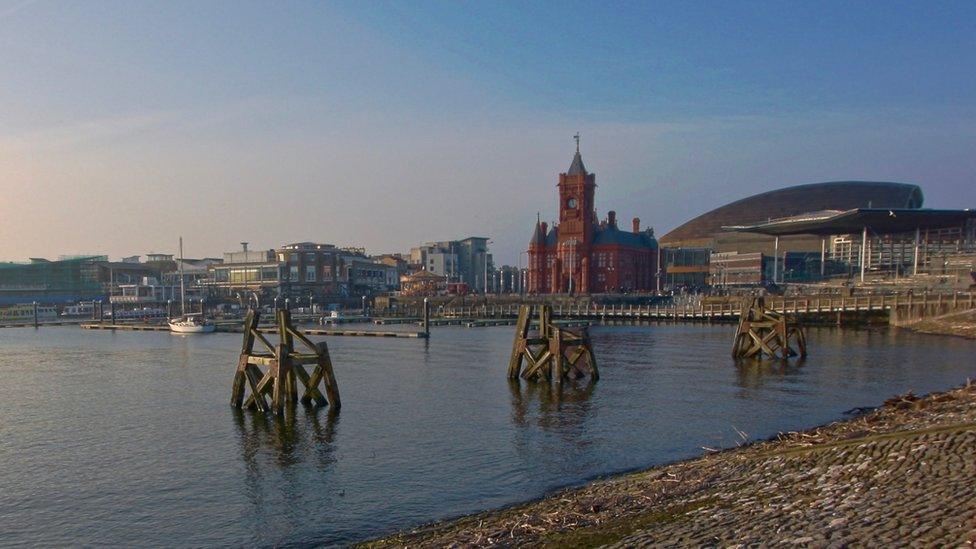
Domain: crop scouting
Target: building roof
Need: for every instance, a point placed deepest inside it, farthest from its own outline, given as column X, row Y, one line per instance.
column 424, row 275
column 790, row 201
column 614, row 236
column 878, row 220
column 538, row 235
column 552, row 238
column 603, row 236
column 577, row 166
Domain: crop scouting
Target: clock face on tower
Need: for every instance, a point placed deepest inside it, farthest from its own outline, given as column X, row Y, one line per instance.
column 571, row 203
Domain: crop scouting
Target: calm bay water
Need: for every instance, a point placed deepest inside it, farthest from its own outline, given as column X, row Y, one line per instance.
column 128, row 438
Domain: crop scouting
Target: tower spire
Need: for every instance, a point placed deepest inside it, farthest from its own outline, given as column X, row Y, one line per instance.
column 577, row 138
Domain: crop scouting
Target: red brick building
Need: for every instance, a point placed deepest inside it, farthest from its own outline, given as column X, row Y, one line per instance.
column 583, row 255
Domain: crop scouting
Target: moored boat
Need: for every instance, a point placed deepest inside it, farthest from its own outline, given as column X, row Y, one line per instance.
column 193, row 323
column 188, row 323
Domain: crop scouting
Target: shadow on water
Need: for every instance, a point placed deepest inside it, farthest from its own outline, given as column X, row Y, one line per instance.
column 751, row 373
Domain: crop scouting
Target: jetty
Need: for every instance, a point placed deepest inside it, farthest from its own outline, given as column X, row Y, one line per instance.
column 719, row 309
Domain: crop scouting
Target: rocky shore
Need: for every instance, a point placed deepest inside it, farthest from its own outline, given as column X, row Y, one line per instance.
column 903, row 474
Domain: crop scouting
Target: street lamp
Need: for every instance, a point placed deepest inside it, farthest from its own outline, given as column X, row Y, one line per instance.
column 521, row 281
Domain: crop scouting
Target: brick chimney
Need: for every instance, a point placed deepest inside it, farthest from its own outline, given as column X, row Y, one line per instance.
column 612, row 219
column 636, row 225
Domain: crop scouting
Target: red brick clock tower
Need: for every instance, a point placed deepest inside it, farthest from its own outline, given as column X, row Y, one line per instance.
column 577, row 219
column 581, row 254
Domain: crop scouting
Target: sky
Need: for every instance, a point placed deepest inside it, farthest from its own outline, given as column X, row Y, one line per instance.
column 127, row 124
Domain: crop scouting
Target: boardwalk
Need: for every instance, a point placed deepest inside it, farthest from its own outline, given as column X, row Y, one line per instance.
column 728, row 309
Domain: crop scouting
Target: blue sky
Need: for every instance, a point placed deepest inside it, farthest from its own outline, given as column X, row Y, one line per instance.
column 126, row 124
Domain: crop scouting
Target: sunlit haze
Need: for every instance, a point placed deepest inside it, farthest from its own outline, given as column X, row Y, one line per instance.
column 124, row 125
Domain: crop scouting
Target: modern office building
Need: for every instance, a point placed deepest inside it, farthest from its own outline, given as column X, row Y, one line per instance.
column 464, row 261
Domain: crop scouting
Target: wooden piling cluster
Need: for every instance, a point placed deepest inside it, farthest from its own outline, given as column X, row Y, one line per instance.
column 550, row 353
column 285, row 368
column 762, row 332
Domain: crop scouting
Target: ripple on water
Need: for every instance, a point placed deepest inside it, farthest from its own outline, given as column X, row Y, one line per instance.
column 127, row 438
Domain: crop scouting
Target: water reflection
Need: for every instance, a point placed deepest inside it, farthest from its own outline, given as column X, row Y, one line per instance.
column 752, row 372
column 560, row 405
column 299, row 435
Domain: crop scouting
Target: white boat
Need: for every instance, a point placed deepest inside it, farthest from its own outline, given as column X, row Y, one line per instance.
column 192, row 323
column 188, row 323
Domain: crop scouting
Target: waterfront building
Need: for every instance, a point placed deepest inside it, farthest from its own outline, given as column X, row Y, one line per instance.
column 706, row 230
column 302, row 270
column 156, row 258
column 459, row 261
column 686, row 267
column 726, row 235
column 582, row 254
column 423, row 283
column 400, row 263
column 884, row 242
column 243, row 273
column 69, row 280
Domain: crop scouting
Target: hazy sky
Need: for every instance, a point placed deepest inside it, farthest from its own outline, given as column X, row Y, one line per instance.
column 124, row 125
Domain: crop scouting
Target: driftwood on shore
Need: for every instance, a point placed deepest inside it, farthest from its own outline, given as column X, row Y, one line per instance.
column 285, row 368
column 902, row 472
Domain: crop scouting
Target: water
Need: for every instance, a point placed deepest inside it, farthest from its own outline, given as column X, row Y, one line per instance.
column 128, row 438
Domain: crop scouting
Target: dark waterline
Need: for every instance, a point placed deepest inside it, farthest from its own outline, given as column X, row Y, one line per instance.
column 128, row 438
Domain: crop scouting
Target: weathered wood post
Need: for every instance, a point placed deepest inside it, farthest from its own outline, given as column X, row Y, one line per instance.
column 552, row 353
column 763, row 332
column 285, row 369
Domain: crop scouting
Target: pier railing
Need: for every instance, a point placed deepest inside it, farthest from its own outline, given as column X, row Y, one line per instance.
column 727, row 309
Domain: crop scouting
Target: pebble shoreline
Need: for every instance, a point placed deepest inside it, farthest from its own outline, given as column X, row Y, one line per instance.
column 902, row 474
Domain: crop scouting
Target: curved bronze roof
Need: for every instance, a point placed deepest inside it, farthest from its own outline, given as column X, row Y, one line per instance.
column 790, row 201
column 893, row 220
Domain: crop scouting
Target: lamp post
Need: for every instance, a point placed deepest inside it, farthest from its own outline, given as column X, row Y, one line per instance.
column 521, row 280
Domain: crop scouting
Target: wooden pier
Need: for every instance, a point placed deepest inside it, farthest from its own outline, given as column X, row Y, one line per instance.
column 729, row 309
column 126, row 327
column 234, row 327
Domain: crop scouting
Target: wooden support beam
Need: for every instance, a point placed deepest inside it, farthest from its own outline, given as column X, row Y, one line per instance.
column 284, row 369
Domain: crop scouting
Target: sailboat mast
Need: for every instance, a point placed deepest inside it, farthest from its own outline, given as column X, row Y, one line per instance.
column 182, row 288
